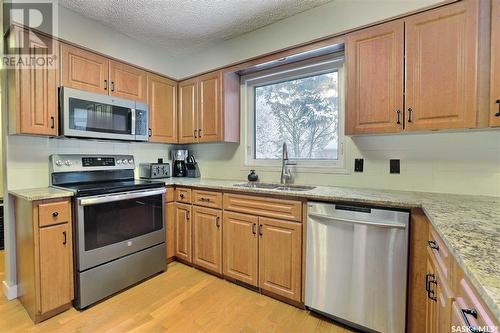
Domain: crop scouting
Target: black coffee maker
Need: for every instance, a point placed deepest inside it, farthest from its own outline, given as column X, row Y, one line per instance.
column 179, row 162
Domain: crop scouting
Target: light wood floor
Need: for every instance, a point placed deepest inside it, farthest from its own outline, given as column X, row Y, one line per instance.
column 182, row 299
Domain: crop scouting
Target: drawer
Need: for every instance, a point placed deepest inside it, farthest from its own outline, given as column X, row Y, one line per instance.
column 183, row 195
column 207, row 199
column 263, row 206
column 438, row 250
column 469, row 307
column 53, row 213
column 170, row 195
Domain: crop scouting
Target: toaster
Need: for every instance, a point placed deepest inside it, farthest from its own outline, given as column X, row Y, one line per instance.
column 154, row 170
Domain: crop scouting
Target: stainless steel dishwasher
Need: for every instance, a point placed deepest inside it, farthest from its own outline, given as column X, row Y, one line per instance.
column 356, row 268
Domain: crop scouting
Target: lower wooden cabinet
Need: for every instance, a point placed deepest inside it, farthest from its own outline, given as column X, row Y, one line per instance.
column 44, row 256
column 240, row 247
column 183, row 232
column 280, row 257
column 207, row 238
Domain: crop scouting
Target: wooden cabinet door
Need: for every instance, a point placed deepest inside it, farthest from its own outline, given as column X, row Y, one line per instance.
column 84, row 70
column 375, row 79
column 183, row 228
column 240, row 247
column 56, row 267
column 280, row 257
column 188, row 116
column 431, row 304
column 444, row 300
column 170, row 230
column 207, row 239
column 35, row 100
column 210, row 108
column 162, row 100
column 441, row 67
column 127, row 81
column 495, row 64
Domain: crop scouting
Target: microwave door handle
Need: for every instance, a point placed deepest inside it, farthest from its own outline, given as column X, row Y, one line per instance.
column 100, row 199
column 133, row 122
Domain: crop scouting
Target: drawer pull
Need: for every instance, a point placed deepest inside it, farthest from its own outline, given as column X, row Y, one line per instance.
column 433, row 245
column 55, row 214
column 205, row 199
column 181, row 195
column 473, row 313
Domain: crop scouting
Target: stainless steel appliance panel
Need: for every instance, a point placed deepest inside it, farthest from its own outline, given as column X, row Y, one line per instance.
column 356, row 267
column 114, row 225
column 91, row 115
column 102, row 281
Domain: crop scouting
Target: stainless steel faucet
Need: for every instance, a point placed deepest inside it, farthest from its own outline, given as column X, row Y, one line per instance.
column 286, row 174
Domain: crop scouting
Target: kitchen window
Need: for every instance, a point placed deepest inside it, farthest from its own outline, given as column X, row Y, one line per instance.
column 300, row 104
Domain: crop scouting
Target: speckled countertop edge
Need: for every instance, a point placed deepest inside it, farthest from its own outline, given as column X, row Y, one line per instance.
column 40, row 193
column 468, row 224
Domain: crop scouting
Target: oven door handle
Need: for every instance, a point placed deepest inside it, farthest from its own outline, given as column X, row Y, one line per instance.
column 117, row 197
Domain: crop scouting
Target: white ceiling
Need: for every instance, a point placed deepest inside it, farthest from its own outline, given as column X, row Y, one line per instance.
column 186, row 26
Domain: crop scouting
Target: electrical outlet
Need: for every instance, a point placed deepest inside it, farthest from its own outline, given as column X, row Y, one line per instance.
column 394, row 166
column 358, row 165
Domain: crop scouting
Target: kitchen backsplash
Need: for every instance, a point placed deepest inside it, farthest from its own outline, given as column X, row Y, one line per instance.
column 28, row 157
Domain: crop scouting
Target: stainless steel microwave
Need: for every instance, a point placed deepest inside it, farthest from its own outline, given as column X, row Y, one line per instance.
column 89, row 115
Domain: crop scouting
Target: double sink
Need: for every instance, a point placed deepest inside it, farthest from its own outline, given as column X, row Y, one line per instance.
column 278, row 187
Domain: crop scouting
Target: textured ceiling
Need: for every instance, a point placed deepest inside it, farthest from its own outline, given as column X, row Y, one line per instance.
column 187, row 25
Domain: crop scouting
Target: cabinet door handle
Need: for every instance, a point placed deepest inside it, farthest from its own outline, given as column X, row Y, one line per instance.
column 399, row 117
column 195, row 135
column 112, row 85
column 253, row 229
column 52, row 122
column 433, row 245
column 55, row 214
column 410, row 114
column 65, row 241
column 473, row 313
column 430, row 279
column 187, row 216
column 105, row 84
column 260, row 230
column 217, row 224
column 199, row 132
column 498, row 113
column 150, row 132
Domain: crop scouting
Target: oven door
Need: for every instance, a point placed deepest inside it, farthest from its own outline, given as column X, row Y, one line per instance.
column 91, row 115
column 111, row 226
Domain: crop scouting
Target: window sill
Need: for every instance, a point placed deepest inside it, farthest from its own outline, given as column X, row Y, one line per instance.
column 297, row 169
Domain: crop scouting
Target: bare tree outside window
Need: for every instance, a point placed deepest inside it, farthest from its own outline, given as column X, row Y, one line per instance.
column 302, row 112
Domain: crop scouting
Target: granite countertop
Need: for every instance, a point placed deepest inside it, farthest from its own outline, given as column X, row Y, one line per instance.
column 468, row 224
column 40, row 193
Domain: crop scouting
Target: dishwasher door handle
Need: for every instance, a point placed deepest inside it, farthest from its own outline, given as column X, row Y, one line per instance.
column 344, row 220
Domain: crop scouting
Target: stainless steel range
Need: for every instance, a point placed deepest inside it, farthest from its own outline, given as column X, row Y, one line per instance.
column 118, row 223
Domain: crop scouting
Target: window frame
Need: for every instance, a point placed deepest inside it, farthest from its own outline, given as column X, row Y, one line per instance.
column 303, row 69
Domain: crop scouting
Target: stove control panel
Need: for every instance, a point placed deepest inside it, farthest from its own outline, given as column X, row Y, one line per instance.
column 78, row 162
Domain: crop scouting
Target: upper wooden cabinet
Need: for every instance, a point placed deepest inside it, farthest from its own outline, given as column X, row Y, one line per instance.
column 81, row 69
column 162, row 100
column 209, row 108
column 127, row 81
column 495, row 64
column 441, row 67
column 89, row 71
column 32, row 91
column 188, row 111
column 375, row 79
column 437, row 50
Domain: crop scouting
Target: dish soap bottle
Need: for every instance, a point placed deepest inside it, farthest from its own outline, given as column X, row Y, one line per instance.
column 252, row 176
